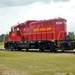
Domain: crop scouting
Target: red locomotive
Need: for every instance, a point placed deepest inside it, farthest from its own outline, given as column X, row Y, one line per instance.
column 41, row 34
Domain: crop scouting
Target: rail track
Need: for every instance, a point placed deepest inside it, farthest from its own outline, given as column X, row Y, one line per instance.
column 37, row 51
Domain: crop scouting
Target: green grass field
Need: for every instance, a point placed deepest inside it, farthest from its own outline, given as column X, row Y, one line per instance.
column 35, row 63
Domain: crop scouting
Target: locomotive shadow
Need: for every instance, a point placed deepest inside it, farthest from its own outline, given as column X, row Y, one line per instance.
column 47, row 51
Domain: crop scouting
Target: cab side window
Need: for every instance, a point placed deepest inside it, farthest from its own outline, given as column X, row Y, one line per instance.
column 17, row 29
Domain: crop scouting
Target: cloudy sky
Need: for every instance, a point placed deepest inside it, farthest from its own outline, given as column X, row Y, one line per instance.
column 14, row 11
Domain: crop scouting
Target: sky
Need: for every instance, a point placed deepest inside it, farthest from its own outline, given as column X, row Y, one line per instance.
column 14, row 11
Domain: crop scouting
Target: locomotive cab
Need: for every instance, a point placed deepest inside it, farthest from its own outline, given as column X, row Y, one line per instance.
column 14, row 34
column 13, row 38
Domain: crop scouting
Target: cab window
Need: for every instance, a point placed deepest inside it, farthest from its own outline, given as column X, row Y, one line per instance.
column 17, row 29
column 12, row 29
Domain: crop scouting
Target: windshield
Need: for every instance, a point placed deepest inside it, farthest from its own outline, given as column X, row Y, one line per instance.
column 12, row 29
column 15, row 29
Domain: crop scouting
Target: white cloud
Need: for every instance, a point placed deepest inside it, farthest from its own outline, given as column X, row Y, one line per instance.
column 37, row 11
column 6, row 3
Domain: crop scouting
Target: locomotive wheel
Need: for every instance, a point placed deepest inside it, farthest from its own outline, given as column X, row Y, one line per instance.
column 41, row 48
column 63, row 47
column 19, row 49
column 52, row 48
column 27, row 50
column 11, row 47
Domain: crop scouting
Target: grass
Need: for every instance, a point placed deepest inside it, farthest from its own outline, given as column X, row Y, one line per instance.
column 29, row 63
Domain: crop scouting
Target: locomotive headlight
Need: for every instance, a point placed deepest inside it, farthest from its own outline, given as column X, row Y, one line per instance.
column 13, row 34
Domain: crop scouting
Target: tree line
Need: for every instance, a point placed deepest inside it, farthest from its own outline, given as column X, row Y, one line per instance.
column 70, row 34
column 2, row 37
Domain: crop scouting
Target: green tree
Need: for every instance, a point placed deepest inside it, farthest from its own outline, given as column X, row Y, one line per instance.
column 2, row 37
column 71, row 35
